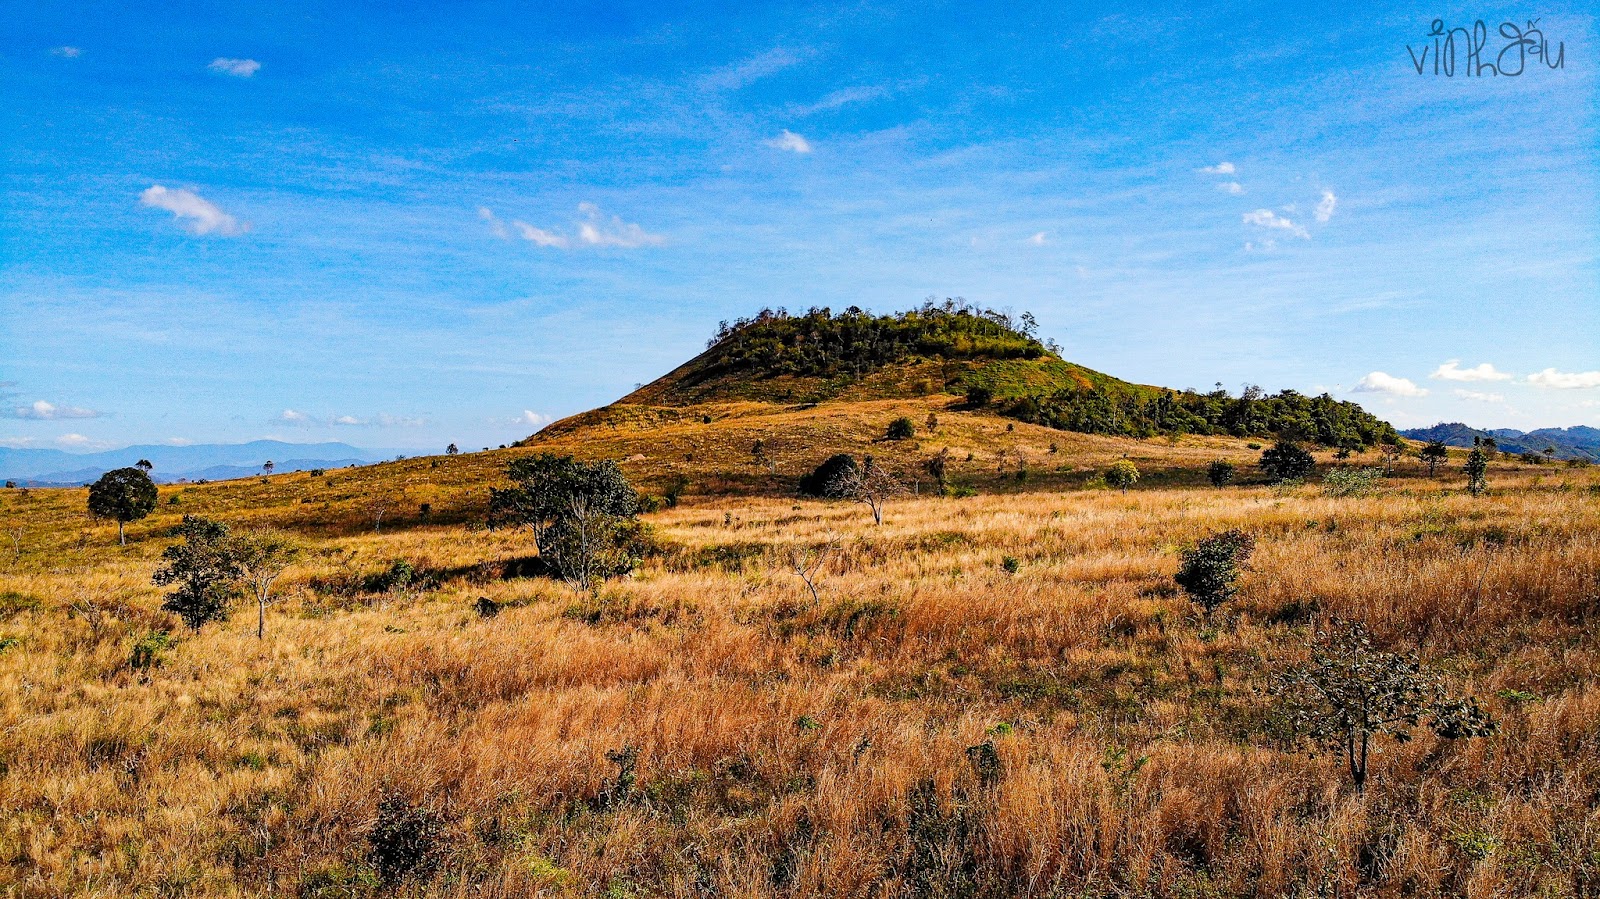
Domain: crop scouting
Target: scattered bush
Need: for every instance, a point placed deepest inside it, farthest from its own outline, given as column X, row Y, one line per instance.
column 583, row 516
column 1210, row 571
column 1220, row 473
column 404, row 839
column 901, row 428
column 1286, row 461
column 124, row 494
column 1351, row 481
column 827, row 475
column 1121, row 475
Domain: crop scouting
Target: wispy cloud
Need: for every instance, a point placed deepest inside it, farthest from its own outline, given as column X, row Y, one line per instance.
column 496, row 227
column 532, row 419
column 1232, row 187
column 381, row 420
column 839, row 98
column 67, row 52
column 1565, row 380
column 43, row 411
column 1266, row 218
column 1221, row 168
column 1478, row 396
column 1483, row 371
column 1038, row 239
column 790, row 141
column 295, row 418
column 592, row 230
column 540, row 236
column 1326, row 205
column 1382, row 382
column 751, row 70
column 238, row 68
column 200, row 215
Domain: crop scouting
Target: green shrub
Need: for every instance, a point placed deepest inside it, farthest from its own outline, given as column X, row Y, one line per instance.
column 1209, row 572
column 1286, row 461
column 901, row 428
column 1351, row 481
column 1122, row 474
column 819, row 482
column 1220, row 473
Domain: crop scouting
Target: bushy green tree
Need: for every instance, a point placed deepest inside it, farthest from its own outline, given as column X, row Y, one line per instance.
column 1122, row 474
column 583, row 516
column 1220, row 473
column 901, row 428
column 1286, row 461
column 1350, row 692
column 124, row 494
column 1209, row 571
column 206, row 570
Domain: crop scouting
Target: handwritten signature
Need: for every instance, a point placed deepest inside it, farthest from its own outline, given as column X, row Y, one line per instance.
column 1524, row 44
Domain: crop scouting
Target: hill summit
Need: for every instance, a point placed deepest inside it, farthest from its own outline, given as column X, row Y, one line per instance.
column 944, row 346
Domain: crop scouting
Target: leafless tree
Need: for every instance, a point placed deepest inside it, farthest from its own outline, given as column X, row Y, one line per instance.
column 807, row 561
column 871, row 485
column 377, row 508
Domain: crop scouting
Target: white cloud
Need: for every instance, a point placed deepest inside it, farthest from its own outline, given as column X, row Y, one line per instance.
column 293, row 417
column 203, row 216
column 1483, row 371
column 540, row 236
column 1264, row 246
column 842, row 97
column 1232, row 187
column 18, row 442
column 1381, row 382
column 532, row 418
column 1266, row 218
column 68, row 52
column 1221, row 168
column 790, row 141
column 1565, row 380
column 239, row 68
column 43, row 411
column 178, row 441
column 1037, row 239
column 350, row 420
column 73, row 440
column 385, row 420
column 615, row 233
column 1325, row 206
column 1479, row 396
column 496, row 227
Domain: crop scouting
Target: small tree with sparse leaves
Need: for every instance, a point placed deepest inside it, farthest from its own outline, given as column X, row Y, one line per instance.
column 1477, row 469
column 262, row 557
column 1209, row 571
column 1434, row 454
column 1349, row 692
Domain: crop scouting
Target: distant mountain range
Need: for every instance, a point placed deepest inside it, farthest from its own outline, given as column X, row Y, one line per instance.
column 1570, row 443
column 207, row 461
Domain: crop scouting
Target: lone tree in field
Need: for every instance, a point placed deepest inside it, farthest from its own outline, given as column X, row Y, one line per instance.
column 1349, row 692
column 1286, row 461
column 125, row 494
column 1434, row 454
column 1477, row 469
column 870, row 484
column 267, row 466
column 761, row 454
column 938, row 467
column 1220, row 473
column 1392, row 454
column 261, row 557
column 143, row 465
column 1122, row 474
column 451, row 450
column 1210, row 571
column 583, row 516
column 901, row 428
column 205, row 566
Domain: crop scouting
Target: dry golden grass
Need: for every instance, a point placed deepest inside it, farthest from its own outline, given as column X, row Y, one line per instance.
column 792, row 749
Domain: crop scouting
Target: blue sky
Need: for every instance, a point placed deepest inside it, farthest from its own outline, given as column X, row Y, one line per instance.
column 402, row 225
